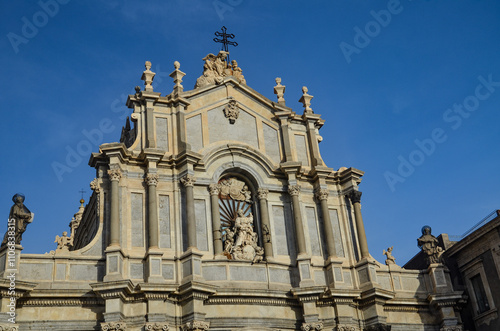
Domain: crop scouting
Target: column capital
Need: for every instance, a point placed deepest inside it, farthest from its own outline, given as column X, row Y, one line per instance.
column 196, row 326
column 293, row 190
column 214, row 189
column 156, row 327
column 321, row 194
column 262, row 193
column 355, row 196
column 151, row 179
column 317, row 326
column 114, row 174
column 188, row 180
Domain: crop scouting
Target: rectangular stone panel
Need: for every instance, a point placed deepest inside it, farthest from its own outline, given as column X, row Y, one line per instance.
column 363, row 276
column 384, row 281
column 137, row 219
column 186, row 268
column 162, row 133
column 214, row 273
column 164, row 219
column 200, row 208
column 279, row 275
column 167, row 271
column 337, row 235
column 243, row 130
column 312, row 225
column 301, row 150
column 347, row 278
column 36, row 271
column 194, row 133
column 271, row 143
column 284, row 232
column 87, row 272
column 319, row 278
column 136, row 271
column 60, row 271
column 248, row 274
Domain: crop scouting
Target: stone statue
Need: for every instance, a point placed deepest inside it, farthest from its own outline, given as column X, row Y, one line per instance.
column 64, row 242
column 237, row 72
column 240, row 243
column 390, row 259
column 429, row 245
column 216, row 68
column 19, row 218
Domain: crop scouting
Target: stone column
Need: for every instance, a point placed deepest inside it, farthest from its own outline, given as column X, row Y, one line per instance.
column 152, row 181
column 114, row 229
column 294, row 191
column 188, row 182
column 264, row 219
column 214, row 201
column 322, row 196
column 355, row 197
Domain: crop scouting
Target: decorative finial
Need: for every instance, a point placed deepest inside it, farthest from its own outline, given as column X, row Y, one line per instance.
column 147, row 77
column 82, row 191
column 224, row 40
column 306, row 101
column 177, row 76
column 279, row 90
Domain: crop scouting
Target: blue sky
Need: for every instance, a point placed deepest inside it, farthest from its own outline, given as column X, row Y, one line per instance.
column 410, row 91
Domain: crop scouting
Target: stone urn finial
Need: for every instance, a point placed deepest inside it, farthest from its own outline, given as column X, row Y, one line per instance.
column 147, row 77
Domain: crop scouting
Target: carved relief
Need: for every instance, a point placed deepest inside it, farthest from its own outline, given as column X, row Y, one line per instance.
column 188, row 180
column 231, row 111
column 317, row 326
column 235, row 189
column 8, row 327
column 113, row 326
column 114, row 174
column 156, row 327
column 152, row 179
column 266, row 233
column 196, row 326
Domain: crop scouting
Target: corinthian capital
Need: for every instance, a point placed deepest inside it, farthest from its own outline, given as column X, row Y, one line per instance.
column 196, row 326
column 293, row 189
column 188, row 180
column 321, row 194
column 214, row 189
column 317, row 326
column 152, row 179
column 114, row 174
column 355, row 196
column 262, row 193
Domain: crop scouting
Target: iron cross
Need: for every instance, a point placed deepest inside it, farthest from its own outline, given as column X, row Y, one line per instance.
column 224, row 40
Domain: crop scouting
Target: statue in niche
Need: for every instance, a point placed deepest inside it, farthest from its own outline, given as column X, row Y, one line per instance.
column 64, row 242
column 240, row 241
column 390, row 258
column 19, row 218
column 429, row 245
column 216, row 68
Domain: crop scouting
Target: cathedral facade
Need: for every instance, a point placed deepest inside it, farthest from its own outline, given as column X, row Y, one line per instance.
column 216, row 211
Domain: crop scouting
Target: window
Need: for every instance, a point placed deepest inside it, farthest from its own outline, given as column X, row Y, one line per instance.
column 480, row 294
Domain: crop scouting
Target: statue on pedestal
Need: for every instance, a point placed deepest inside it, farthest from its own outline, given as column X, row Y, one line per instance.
column 429, row 245
column 241, row 241
column 19, row 218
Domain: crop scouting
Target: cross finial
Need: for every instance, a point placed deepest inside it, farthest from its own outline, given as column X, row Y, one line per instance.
column 82, row 191
column 225, row 42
